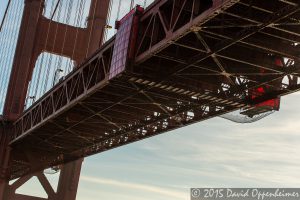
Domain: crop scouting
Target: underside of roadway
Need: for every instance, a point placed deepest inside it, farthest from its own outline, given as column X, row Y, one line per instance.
column 203, row 67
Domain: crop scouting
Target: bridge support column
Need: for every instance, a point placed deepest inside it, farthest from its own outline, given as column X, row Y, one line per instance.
column 79, row 44
column 68, row 180
column 4, row 158
column 39, row 34
column 66, row 189
column 23, row 64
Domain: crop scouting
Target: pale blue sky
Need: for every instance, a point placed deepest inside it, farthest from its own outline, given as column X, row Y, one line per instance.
column 2, row 8
column 213, row 153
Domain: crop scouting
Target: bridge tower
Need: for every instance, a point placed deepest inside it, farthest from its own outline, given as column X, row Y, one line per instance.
column 31, row 43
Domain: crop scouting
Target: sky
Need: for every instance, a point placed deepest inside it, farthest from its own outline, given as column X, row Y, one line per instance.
column 213, row 153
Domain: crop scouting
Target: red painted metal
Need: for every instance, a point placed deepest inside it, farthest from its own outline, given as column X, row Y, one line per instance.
column 22, row 65
column 66, row 189
column 256, row 93
column 5, row 153
column 60, row 40
column 124, row 44
column 193, row 61
column 31, row 43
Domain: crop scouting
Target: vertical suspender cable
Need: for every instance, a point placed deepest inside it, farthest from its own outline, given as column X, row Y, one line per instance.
column 59, row 64
column 54, row 12
column 36, row 86
column 108, row 18
column 5, row 40
column 70, row 7
column 45, row 57
column 8, row 46
column 5, row 14
column 56, row 31
column 118, row 11
column 49, row 57
column 8, row 37
column 131, row 4
column 71, row 64
column 90, row 33
column 78, row 20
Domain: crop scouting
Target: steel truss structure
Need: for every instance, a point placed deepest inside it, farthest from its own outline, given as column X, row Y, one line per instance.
column 194, row 59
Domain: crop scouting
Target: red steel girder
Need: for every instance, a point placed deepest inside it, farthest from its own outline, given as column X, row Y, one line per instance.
column 97, row 114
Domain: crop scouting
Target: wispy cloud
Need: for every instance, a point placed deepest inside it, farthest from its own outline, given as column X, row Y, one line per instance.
column 136, row 186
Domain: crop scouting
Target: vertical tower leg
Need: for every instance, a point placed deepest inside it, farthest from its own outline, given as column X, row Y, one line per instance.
column 66, row 189
column 68, row 180
column 4, row 158
column 31, row 39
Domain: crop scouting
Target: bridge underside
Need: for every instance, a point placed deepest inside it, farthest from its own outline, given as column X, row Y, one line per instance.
column 201, row 65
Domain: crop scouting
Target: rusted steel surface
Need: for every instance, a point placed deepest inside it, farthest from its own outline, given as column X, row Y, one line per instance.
column 194, row 60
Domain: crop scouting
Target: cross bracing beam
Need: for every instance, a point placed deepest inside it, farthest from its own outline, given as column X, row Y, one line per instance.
column 192, row 62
